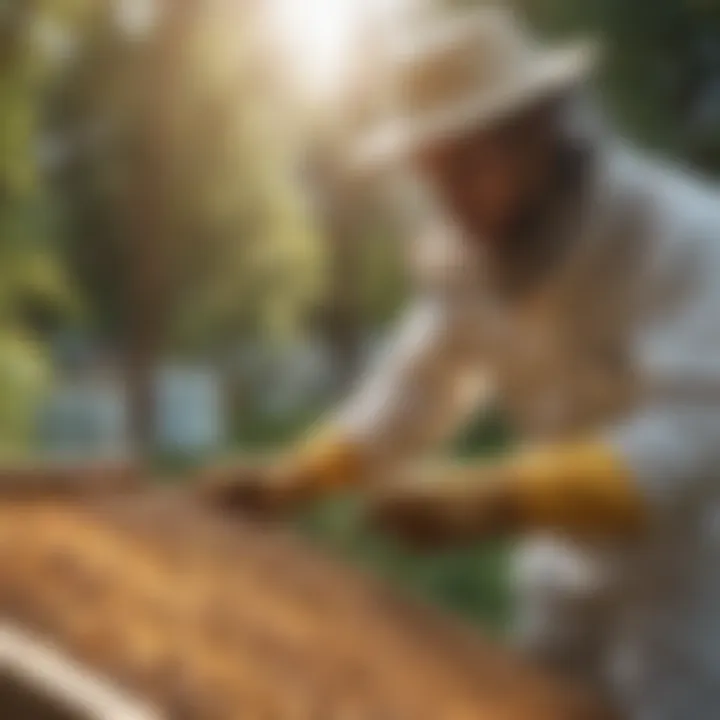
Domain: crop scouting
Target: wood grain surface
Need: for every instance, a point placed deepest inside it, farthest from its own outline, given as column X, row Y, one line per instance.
column 211, row 619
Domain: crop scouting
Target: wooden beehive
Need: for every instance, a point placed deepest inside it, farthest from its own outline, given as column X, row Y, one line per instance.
column 203, row 618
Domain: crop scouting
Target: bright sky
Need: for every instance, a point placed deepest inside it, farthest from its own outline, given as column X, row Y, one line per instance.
column 317, row 38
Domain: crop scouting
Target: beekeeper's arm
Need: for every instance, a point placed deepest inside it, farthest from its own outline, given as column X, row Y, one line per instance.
column 420, row 388
column 626, row 476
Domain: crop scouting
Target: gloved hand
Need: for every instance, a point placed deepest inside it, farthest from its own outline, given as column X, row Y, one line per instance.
column 271, row 488
column 262, row 490
column 445, row 507
column 579, row 489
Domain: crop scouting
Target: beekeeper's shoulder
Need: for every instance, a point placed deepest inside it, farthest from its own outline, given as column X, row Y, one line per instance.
column 681, row 227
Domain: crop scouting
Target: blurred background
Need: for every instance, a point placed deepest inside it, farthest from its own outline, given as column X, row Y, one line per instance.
column 187, row 267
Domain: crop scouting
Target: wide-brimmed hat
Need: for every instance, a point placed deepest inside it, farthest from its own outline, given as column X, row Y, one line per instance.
column 465, row 72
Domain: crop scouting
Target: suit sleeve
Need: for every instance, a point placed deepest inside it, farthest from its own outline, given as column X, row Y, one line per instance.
column 423, row 384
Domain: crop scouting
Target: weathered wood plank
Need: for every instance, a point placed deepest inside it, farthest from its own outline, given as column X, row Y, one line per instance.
column 211, row 619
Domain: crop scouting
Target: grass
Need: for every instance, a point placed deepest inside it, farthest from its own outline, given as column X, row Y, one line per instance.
column 471, row 582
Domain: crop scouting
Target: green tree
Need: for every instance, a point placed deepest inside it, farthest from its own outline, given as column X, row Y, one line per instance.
column 661, row 67
column 183, row 217
column 34, row 291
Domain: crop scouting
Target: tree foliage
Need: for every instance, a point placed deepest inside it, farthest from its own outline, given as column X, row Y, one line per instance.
column 661, row 67
column 34, row 290
column 239, row 252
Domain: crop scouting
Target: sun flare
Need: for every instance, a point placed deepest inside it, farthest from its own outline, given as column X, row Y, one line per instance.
column 320, row 41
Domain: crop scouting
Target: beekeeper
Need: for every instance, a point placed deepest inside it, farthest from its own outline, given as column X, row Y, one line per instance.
column 579, row 284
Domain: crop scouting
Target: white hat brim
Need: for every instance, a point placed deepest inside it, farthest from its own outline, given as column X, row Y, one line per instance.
column 400, row 138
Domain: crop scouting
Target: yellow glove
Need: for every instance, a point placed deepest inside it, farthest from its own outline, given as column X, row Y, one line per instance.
column 578, row 489
column 581, row 488
column 325, row 463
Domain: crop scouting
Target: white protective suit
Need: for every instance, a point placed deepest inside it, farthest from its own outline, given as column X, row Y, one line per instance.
column 624, row 340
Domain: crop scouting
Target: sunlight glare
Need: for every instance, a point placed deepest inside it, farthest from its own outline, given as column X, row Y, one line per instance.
column 317, row 38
